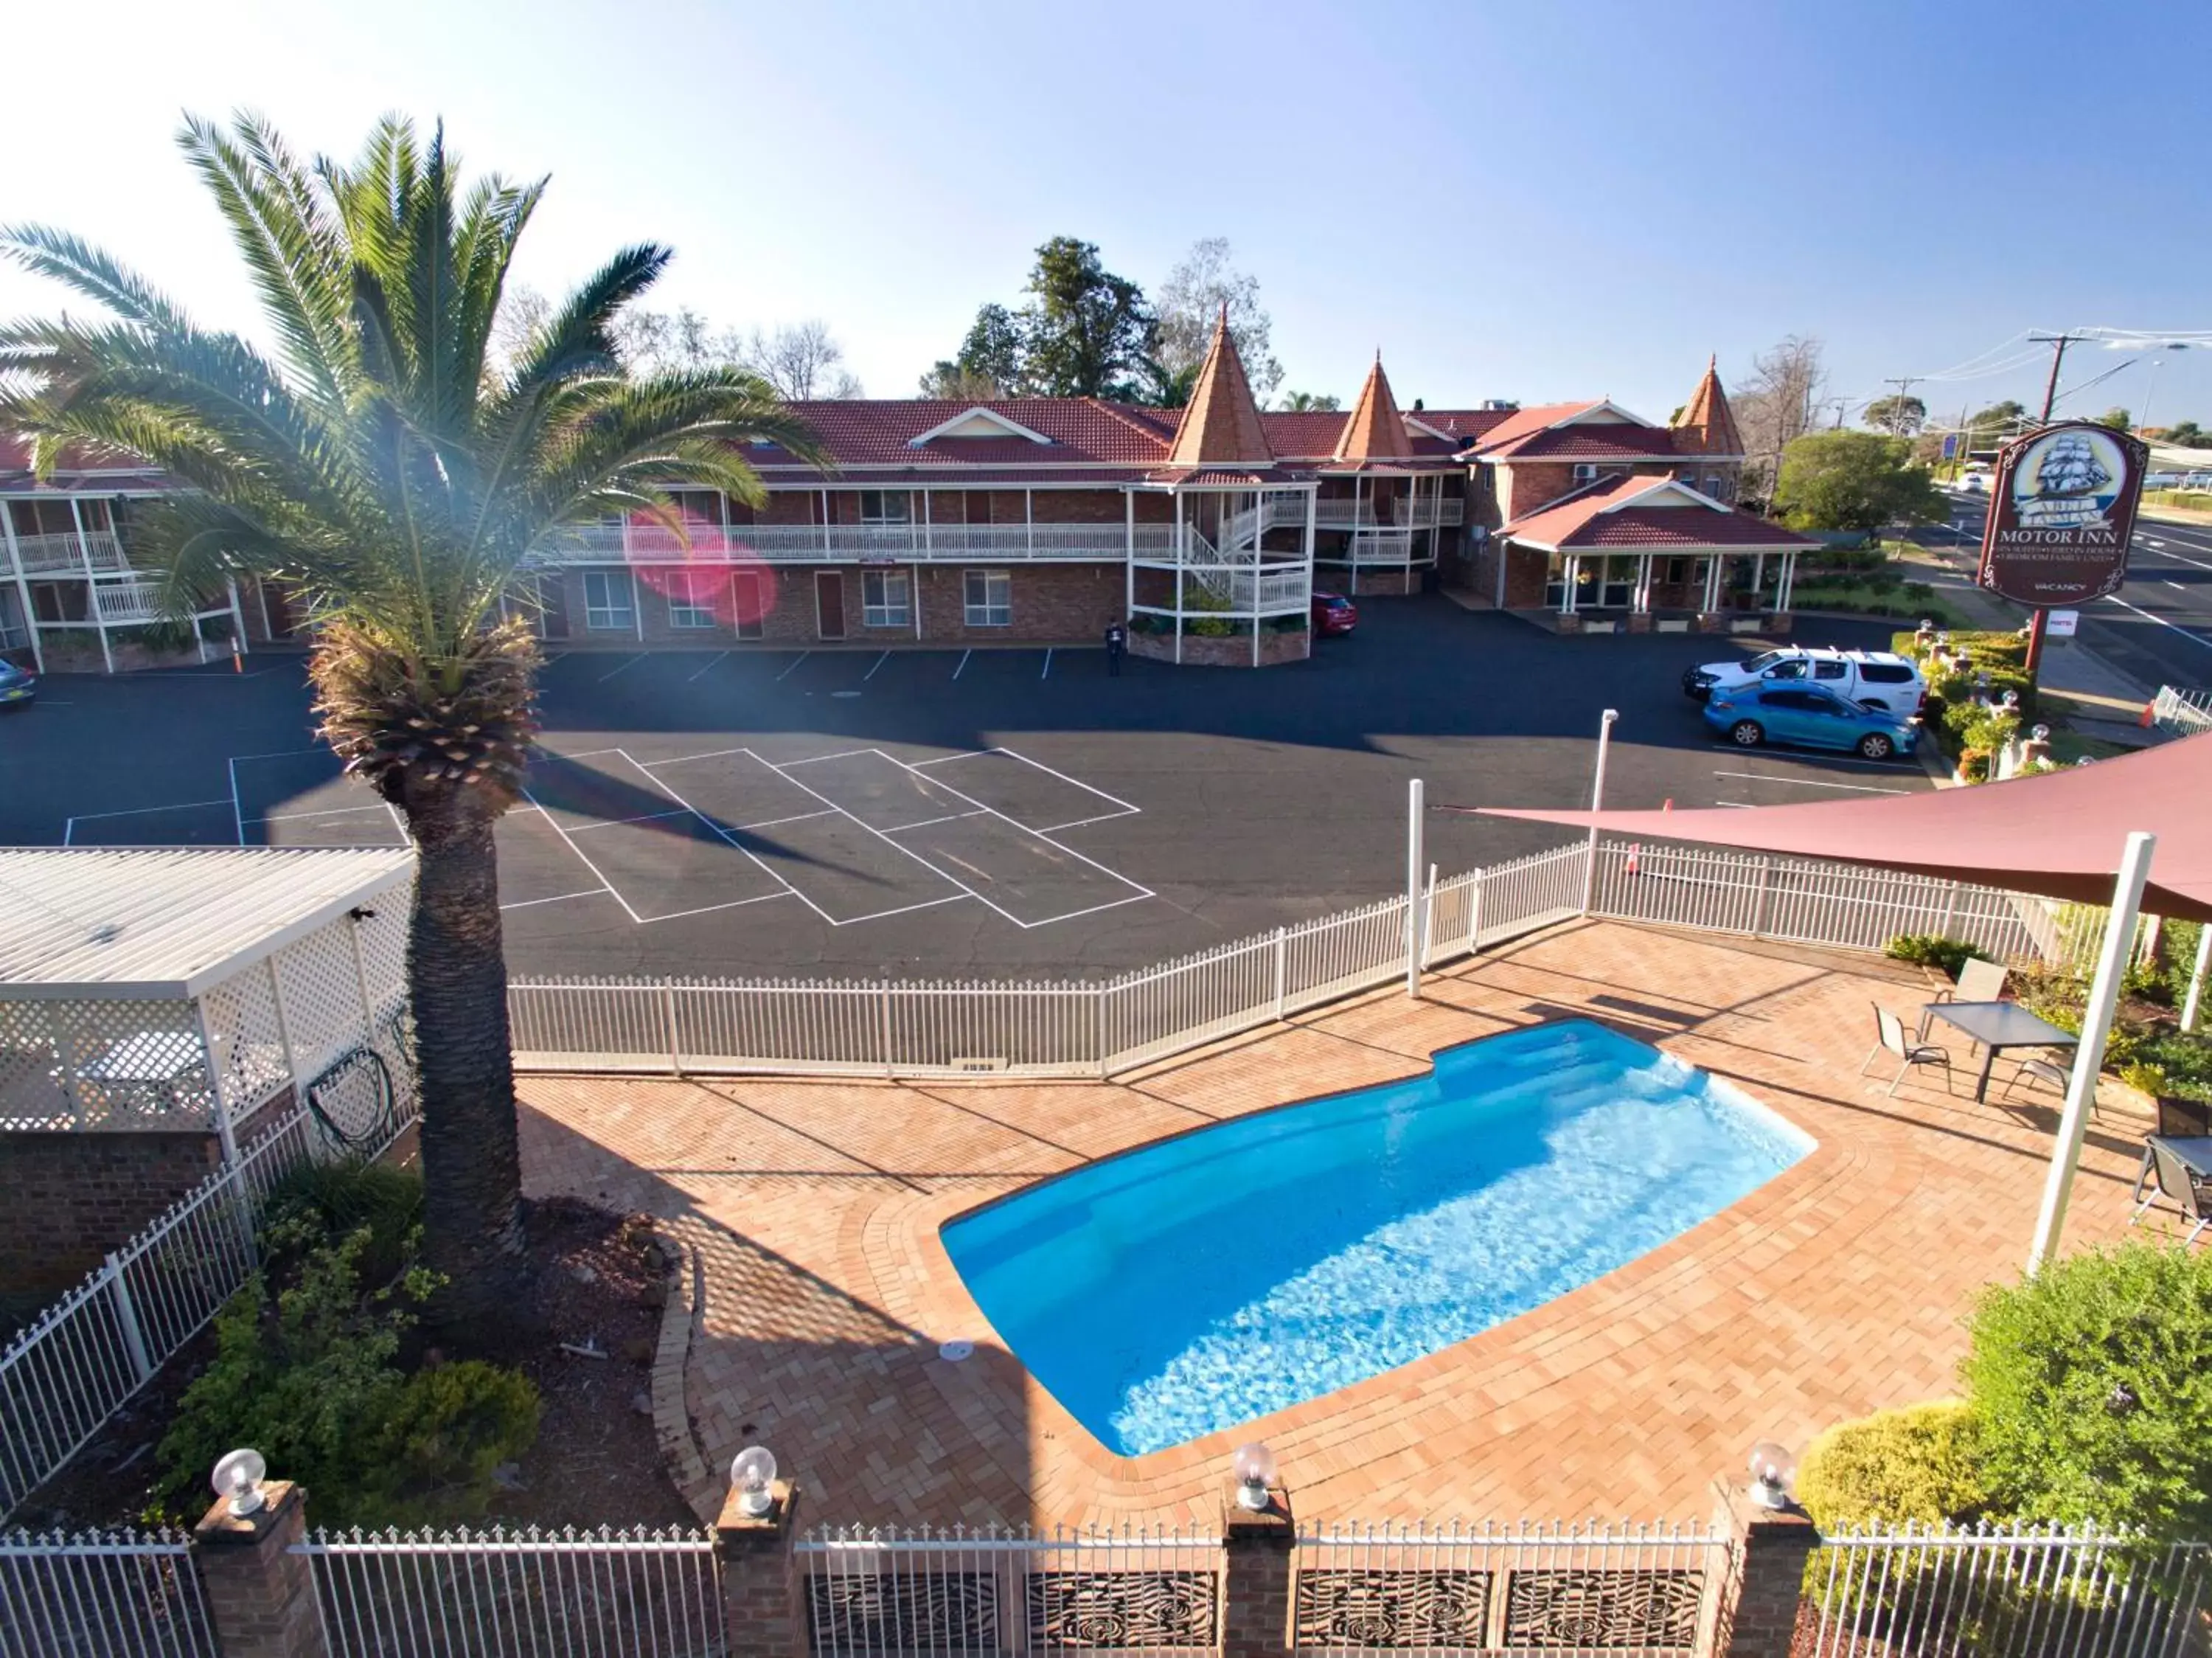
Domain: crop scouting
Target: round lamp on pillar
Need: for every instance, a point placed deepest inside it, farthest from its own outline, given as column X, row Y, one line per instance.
column 238, row 1478
column 1255, row 1471
column 752, row 1476
column 1772, row 1468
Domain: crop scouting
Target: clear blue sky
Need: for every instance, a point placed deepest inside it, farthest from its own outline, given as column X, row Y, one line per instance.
column 1533, row 201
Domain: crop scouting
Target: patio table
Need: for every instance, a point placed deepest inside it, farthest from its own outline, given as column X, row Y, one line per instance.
column 1998, row 1025
column 154, row 1068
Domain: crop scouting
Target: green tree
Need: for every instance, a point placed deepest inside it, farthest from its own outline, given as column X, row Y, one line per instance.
column 1900, row 416
column 385, row 466
column 1847, row 481
column 1162, row 387
column 1992, row 426
column 988, row 363
column 2117, row 418
column 2186, row 434
column 1086, row 332
column 1309, row 402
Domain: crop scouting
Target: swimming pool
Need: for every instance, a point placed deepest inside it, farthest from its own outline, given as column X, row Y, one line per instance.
column 1202, row 1281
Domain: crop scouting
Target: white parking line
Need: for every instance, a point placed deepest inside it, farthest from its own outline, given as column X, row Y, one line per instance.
column 642, row 817
column 559, row 898
column 1072, row 782
column 962, row 666
column 842, row 755
column 722, row 834
column 871, row 673
column 619, row 667
column 569, row 840
column 2177, row 587
column 2151, row 616
column 950, row 817
column 326, row 812
column 770, row 823
column 1807, row 782
column 795, row 661
column 735, row 903
column 689, row 678
column 1047, row 675
column 68, row 824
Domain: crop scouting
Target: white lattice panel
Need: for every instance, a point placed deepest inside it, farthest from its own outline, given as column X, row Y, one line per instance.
column 100, row 1066
column 383, row 938
column 321, row 998
column 241, row 1021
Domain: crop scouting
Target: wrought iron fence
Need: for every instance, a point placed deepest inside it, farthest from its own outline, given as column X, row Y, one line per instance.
column 1617, row 1590
column 102, row 1594
column 2026, row 1592
column 63, row 1374
column 953, row 1594
column 497, row 1593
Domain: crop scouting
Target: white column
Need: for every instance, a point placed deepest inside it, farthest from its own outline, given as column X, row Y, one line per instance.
column 1642, row 604
column 2193, row 1004
column 1571, row 571
column 927, row 544
column 1782, row 591
column 91, row 585
column 825, row 523
column 1757, row 578
column 22, row 585
column 1597, row 804
column 1416, row 823
column 2097, row 1020
column 1029, row 520
column 914, row 596
column 1129, row 555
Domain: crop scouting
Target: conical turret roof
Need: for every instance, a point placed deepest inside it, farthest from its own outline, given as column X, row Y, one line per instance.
column 1706, row 426
column 1376, row 430
column 1221, row 424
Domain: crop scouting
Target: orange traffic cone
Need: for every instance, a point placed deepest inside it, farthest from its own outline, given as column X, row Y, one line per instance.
column 2145, row 722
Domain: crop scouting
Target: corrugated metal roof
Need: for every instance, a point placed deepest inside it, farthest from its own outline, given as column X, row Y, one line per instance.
column 141, row 921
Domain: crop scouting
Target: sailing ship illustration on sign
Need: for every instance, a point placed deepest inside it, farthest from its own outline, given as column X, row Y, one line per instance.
column 2070, row 479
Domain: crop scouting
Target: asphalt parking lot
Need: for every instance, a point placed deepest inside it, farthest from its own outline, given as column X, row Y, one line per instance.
column 946, row 814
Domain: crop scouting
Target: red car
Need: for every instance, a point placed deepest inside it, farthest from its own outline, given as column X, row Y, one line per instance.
column 1334, row 613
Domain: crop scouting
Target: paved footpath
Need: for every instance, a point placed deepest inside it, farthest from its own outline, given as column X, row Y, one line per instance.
column 1838, row 1287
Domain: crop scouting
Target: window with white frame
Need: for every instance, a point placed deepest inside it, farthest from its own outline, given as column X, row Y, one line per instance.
column 885, row 598
column 610, row 603
column 1585, row 472
column 1715, row 483
column 696, row 599
column 886, row 507
column 990, row 595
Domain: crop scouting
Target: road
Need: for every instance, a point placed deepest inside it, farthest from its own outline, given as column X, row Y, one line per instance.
column 2158, row 627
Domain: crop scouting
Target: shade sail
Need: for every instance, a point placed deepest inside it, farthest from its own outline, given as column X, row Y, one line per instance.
column 2059, row 834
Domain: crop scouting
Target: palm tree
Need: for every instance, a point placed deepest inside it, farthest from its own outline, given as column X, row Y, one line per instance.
column 1309, row 403
column 402, row 478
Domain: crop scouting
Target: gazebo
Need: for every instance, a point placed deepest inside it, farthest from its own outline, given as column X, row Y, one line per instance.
column 2135, row 832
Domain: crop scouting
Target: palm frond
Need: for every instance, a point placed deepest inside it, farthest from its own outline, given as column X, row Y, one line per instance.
column 99, row 276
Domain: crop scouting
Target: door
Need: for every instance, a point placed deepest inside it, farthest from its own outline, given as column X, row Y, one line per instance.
column 553, row 606
column 749, row 604
column 1785, row 715
column 829, row 604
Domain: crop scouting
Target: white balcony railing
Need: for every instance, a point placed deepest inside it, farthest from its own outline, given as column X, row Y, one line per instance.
column 65, row 551
column 127, row 604
column 816, row 544
column 1343, row 513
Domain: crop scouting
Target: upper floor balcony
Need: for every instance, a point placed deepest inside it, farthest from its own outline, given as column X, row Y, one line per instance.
column 819, row 544
column 1348, row 513
column 65, row 552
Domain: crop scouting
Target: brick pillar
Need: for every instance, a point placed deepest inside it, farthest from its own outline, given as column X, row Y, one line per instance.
column 1758, row 1612
column 1258, row 1547
column 260, row 1597
column 762, row 1587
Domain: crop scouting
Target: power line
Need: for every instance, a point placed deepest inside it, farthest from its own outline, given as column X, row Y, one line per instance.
column 1903, row 384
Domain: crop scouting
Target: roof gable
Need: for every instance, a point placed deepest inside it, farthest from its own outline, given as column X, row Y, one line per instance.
column 978, row 421
column 1707, row 425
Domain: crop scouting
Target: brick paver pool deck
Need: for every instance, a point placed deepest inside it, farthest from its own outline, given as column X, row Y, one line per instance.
column 1837, row 1287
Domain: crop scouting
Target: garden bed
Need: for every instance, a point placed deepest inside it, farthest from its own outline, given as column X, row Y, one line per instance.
column 596, row 1459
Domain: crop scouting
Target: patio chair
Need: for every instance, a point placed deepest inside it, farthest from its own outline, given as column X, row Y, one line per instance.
column 2041, row 1067
column 1977, row 981
column 2175, row 1180
column 1891, row 1038
column 2184, row 1119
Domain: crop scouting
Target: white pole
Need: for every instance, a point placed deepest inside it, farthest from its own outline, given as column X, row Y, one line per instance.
column 1597, row 804
column 2096, row 1026
column 2194, row 1004
column 1415, row 814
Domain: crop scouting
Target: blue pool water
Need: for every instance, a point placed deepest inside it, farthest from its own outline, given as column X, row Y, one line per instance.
column 1199, row 1282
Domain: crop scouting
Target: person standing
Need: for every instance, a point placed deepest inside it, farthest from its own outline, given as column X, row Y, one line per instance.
column 1117, row 642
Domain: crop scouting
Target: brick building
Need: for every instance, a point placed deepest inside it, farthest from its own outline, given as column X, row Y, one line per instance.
column 1039, row 520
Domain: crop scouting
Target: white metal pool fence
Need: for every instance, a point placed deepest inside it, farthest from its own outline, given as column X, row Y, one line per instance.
column 102, row 1594
column 1045, row 1027
column 66, row 1373
column 1621, row 1587
column 2051, row 1591
column 982, row 1593
column 2186, row 712
column 500, row 1594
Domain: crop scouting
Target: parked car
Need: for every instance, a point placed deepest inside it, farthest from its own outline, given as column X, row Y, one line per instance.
column 1873, row 679
column 1759, row 713
column 18, row 689
column 2162, row 481
column 1334, row 613
column 1974, row 483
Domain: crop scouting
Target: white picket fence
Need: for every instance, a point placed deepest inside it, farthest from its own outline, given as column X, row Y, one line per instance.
column 66, row 1373
column 498, row 1594
column 2051, row 1591
column 904, row 1027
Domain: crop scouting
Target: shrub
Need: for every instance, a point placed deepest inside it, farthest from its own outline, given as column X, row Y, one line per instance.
column 1927, row 950
column 2092, row 1384
column 320, row 1204
column 447, row 1429
column 1922, row 1462
column 1974, row 764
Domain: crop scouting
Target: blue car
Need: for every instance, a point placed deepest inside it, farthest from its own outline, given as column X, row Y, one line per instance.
column 1760, row 713
column 17, row 688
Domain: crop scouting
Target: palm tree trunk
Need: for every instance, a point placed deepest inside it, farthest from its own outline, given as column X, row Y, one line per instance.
column 457, row 973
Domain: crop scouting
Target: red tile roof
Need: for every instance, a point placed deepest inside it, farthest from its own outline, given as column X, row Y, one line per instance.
column 1221, row 424
column 879, row 432
column 1646, row 515
column 1521, row 422
column 1707, row 425
column 1595, row 441
column 1374, row 430
column 1462, row 424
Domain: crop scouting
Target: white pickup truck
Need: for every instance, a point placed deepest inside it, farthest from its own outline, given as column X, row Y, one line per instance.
column 1872, row 679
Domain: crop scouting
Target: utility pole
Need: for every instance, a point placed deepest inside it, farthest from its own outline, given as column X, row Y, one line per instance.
column 1903, row 384
column 2040, row 619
